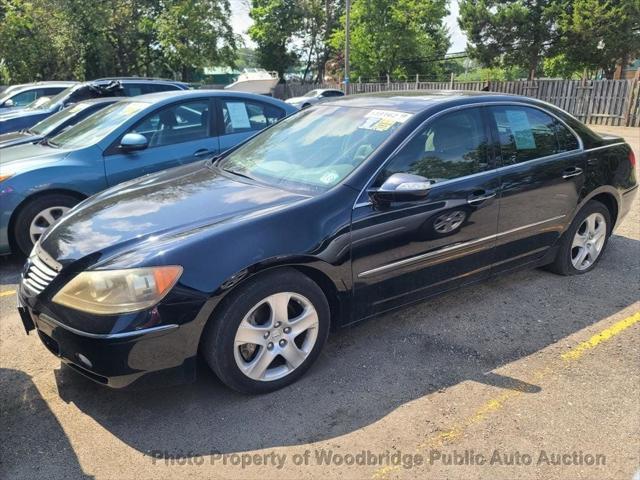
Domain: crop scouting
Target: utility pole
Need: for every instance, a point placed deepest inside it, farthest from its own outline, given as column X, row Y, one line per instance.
column 347, row 27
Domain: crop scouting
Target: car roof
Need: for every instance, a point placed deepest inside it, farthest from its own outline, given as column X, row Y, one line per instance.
column 96, row 101
column 138, row 80
column 416, row 101
column 52, row 83
column 171, row 95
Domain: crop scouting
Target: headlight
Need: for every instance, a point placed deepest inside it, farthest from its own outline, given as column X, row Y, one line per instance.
column 106, row 292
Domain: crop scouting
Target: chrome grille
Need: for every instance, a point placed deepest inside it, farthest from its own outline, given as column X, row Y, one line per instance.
column 38, row 275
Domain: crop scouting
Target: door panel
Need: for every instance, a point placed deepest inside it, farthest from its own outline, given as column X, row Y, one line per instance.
column 541, row 179
column 406, row 251
column 178, row 134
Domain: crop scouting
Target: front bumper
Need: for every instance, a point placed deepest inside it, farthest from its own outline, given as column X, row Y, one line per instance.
column 163, row 354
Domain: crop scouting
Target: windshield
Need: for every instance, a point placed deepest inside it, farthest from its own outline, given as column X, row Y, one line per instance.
column 314, row 149
column 312, row 93
column 46, row 126
column 94, row 128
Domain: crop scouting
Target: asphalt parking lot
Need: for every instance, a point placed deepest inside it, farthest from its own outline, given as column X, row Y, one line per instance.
column 528, row 376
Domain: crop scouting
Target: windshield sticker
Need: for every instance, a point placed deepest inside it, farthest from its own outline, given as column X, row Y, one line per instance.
column 238, row 115
column 329, row 178
column 377, row 124
column 521, row 129
column 396, row 117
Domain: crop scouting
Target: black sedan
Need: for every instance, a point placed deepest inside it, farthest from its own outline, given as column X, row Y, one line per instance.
column 337, row 213
column 56, row 123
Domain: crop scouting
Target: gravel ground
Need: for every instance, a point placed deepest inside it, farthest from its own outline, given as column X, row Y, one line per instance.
column 514, row 374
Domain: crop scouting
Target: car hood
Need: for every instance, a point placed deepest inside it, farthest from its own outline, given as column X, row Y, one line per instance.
column 17, row 138
column 5, row 116
column 21, row 158
column 192, row 198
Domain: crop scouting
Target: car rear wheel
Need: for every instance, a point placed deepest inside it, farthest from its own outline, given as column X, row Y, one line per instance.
column 583, row 244
column 37, row 216
column 268, row 332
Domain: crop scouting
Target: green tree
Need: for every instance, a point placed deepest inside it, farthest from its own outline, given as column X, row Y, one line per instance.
column 275, row 24
column 395, row 37
column 598, row 34
column 509, row 32
column 195, row 33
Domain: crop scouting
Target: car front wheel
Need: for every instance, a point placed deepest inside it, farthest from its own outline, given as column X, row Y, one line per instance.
column 37, row 216
column 268, row 333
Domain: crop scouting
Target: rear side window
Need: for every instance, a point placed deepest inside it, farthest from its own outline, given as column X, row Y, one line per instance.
column 528, row 133
column 246, row 116
column 452, row 146
column 133, row 89
column 159, row 87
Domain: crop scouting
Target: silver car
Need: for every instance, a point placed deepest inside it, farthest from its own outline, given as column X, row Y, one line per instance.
column 314, row 97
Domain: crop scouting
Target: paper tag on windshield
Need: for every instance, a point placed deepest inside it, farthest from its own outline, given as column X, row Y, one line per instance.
column 389, row 115
column 383, row 120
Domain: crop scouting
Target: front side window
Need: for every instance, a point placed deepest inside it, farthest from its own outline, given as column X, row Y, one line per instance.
column 452, row 146
column 96, row 127
column 314, row 149
column 245, row 116
column 178, row 123
column 24, row 98
column 526, row 133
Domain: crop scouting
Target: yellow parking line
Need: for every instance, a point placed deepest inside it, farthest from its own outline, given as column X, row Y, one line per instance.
column 7, row 293
column 498, row 402
column 598, row 338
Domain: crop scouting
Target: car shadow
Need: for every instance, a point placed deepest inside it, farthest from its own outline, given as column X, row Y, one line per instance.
column 32, row 441
column 367, row 371
column 10, row 268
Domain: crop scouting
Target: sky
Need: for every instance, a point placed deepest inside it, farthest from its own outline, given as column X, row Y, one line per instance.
column 241, row 22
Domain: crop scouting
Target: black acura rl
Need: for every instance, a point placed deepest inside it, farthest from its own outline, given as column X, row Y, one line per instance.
column 335, row 214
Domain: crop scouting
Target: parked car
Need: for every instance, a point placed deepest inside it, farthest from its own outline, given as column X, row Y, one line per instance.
column 13, row 121
column 134, row 137
column 314, row 97
column 320, row 221
column 56, row 123
column 19, row 96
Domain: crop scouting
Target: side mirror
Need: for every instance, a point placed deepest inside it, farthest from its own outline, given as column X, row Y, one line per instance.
column 8, row 104
column 133, row 141
column 401, row 187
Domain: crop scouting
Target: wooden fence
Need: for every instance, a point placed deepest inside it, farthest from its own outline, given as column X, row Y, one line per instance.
column 600, row 102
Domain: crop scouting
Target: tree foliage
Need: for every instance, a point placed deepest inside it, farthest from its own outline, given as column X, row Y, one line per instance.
column 559, row 37
column 395, row 37
column 82, row 39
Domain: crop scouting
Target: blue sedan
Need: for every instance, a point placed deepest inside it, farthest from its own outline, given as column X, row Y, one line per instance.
column 40, row 182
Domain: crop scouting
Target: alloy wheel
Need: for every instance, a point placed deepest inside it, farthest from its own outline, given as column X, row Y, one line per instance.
column 43, row 220
column 276, row 336
column 588, row 241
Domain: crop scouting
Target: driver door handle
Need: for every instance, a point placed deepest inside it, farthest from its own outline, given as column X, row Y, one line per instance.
column 571, row 172
column 481, row 196
column 202, row 152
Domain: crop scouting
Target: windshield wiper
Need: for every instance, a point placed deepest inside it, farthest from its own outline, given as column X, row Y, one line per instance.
column 45, row 141
column 239, row 174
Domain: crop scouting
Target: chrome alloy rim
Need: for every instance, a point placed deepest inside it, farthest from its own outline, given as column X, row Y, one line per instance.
column 588, row 241
column 448, row 222
column 276, row 336
column 44, row 220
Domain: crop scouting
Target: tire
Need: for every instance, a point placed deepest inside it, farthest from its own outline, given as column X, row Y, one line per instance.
column 570, row 244
column 56, row 204
column 239, row 364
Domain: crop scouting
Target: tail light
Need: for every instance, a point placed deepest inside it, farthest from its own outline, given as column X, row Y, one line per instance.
column 632, row 159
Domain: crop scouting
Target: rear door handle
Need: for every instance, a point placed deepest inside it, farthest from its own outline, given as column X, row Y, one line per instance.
column 571, row 172
column 480, row 197
column 202, row 152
